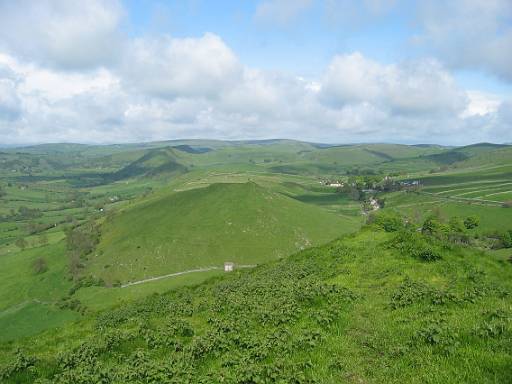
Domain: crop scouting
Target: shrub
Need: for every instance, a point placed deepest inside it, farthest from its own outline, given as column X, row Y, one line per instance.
column 432, row 226
column 39, row 266
column 21, row 243
column 390, row 222
column 428, row 254
column 471, row 222
column 416, row 245
column 457, row 224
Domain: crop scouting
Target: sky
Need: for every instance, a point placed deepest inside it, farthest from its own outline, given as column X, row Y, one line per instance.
column 333, row 71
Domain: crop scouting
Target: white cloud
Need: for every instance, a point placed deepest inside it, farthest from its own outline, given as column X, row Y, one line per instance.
column 470, row 34
column 280, row 12
column 64, row 34
column 197, row 87
column 408, row 88
column 172, row 67
column 481, row 103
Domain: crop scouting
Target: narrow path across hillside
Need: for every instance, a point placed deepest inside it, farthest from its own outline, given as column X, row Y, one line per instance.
column 206, row 269
column 464, row 199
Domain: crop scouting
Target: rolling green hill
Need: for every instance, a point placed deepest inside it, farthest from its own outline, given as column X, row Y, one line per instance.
column 153, row 162
column 360, row 309
column 243, row 223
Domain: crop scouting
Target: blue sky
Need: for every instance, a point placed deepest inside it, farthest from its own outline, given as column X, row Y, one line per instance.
column 306, row 42
column 323, row 70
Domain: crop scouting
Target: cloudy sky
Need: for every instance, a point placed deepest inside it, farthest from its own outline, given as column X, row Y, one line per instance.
column 341, row 71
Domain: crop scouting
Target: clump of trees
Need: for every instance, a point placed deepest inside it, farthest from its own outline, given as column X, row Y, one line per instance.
column 427, row 241
column 32, row 228
column 25, row 213
column 455, row 230
column 388, row 221
column 80, row 242
column 84, row 282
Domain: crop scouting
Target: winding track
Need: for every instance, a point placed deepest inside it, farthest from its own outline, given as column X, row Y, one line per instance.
column 205, row 269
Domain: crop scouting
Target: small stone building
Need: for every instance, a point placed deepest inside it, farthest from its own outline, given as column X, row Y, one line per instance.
column 229, row 267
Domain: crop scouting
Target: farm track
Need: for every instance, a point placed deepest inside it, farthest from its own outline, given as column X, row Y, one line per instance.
column 472, row 188
column 465, row 199
column 206, row 269
column 498, row 193
column 21, row 305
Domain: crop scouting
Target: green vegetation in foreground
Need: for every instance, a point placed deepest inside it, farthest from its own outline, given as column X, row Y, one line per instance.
column 365, row 308
column 243, row 223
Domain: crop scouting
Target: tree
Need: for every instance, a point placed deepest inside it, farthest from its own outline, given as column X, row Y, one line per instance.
column 471, row 222
column 389, row 221
column 80, row 242
column 21, row 243
column 433, row 226
column 39, row 266
column 506, row 239
column 457, row 224
column 43, row 239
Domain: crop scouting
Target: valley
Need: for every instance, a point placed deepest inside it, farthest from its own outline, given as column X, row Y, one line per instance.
column 349, row 256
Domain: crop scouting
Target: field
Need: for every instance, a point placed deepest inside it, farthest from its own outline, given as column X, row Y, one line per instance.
column 80, row 224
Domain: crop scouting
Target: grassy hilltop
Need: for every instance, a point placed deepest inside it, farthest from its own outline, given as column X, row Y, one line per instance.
column 242, row 222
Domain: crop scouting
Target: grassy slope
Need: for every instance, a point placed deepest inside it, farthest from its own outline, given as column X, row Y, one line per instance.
column 244, row 223
column 26, row 299
column 354, row 310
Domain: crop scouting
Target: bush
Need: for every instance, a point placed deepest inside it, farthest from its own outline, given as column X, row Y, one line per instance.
column 500, row 240
column 390, row 222
column 428, row 254
column 416, row 245
column 21, row 243
column 471, row 222
column 432, row 226
column 457, row 224
column 39, row 266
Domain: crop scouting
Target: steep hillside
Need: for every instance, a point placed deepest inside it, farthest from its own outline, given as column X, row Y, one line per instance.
column 501, row 155
column 467, row 153
column 154, row 162
column 364, row 309
column 337, row 159
column 243, row 223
